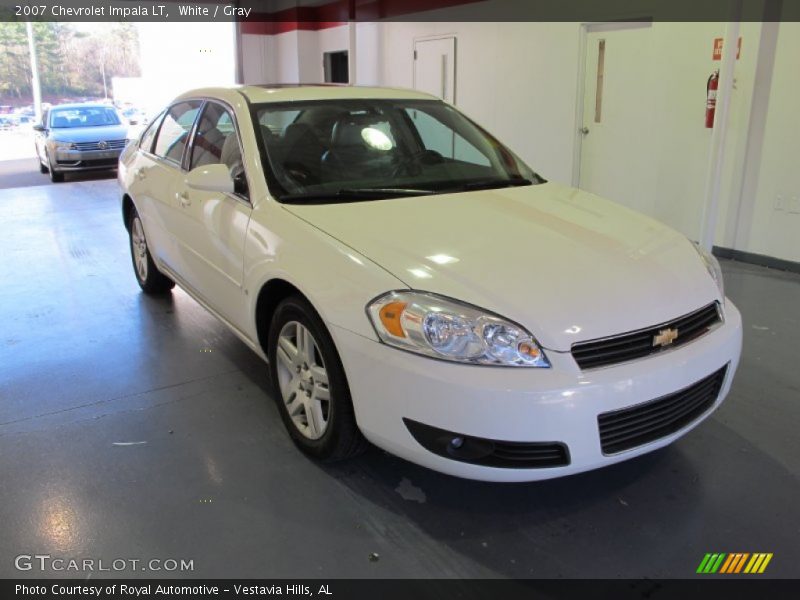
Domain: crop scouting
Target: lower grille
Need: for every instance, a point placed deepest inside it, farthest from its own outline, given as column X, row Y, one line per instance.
column 96, row 163
column 486, row 452
column 638, row 344
column 631, row 427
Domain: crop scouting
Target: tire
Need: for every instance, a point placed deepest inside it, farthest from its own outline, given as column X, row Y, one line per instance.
column 309, row 383
column 54, row 176
column 42, row 168
column 150, row 279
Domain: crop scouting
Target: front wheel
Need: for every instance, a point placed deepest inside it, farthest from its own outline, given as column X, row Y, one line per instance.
column 150, row 279
column 55, row 177
column 310, row 385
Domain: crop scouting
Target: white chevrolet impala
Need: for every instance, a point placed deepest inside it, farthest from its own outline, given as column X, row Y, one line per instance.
column 412, row 282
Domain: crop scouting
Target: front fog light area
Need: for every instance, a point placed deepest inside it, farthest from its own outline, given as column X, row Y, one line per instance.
column 443, row 328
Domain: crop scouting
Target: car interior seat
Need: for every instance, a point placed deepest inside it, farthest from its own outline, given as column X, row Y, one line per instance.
column 350, row 154
column 302, row 153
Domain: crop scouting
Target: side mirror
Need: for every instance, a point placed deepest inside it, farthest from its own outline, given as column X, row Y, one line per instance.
column 210, row 178
column 38, row 127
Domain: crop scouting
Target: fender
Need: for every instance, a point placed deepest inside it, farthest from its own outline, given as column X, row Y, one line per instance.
column 342, row 278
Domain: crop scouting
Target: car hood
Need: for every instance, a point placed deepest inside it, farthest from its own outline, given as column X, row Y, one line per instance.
column 566, row 264
column 89, row 134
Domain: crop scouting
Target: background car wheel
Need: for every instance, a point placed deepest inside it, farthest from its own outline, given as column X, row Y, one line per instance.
column 54, row 177
column 42, row 168
column 151, row 280
column 309, row 384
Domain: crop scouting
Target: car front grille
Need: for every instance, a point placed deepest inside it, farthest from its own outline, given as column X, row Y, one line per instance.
column 91, row 146
column 638, row 344
column 631, row 427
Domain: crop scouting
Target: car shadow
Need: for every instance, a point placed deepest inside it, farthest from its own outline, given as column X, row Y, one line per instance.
column 72, row 176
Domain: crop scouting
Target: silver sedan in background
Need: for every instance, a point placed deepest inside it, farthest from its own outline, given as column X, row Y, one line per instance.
column 79, row 137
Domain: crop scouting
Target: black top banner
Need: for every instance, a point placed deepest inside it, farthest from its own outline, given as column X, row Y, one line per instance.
column 333, row 11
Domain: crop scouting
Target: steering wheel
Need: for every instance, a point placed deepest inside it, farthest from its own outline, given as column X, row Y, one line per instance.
column 411, row 164
column 300, row 173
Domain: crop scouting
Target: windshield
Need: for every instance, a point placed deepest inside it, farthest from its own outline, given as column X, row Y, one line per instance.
column 84, row 116
column 336, row 150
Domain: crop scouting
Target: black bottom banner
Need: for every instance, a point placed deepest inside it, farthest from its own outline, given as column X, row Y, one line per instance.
column 405, row 589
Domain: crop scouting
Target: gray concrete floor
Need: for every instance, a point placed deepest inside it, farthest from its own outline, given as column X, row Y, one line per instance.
column 87, row 361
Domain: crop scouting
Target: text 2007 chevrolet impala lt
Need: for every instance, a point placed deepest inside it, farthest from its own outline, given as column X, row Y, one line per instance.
column 412, row 282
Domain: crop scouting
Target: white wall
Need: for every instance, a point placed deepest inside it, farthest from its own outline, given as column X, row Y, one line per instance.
column 776, row 232
column 516, row 79
column 258, row 52
column 520, row 80
column 290, row 57
column 177, row 58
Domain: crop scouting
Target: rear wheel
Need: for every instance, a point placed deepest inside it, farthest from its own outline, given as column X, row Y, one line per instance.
column 150, row 279
column 42, row 168
column 310, row 385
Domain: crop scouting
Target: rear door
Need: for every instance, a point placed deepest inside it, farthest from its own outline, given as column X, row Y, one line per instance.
column 210, row 227
column 140, row 166
column 163, row 173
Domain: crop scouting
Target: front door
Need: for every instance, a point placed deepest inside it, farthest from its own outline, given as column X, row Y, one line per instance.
column 210, row 227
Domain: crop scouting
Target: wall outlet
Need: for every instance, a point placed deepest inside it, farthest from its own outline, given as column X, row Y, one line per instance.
column 779, row 204
column 794, row 205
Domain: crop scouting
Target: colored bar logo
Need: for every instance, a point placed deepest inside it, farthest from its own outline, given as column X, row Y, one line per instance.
column 735, row 562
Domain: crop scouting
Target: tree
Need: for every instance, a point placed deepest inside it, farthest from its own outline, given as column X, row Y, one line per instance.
column 71, row 61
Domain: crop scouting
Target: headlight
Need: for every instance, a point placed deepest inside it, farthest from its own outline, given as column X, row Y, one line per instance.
column 712, row 265
column 442, row 328
column 64, row 145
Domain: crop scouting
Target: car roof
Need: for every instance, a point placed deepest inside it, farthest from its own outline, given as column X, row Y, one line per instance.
column 283, row 92
column 81, row 105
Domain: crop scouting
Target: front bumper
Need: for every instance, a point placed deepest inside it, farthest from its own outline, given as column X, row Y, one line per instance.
column 561, row 404
column 77, row 160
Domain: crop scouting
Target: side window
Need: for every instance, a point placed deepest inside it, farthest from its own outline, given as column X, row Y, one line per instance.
column 149, row 134
column 174, row 131
column 439, row 137
column 215, row 141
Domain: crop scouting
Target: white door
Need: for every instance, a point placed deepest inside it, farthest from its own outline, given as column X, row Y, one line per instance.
column 617, row 150
column 435, row 67
column 211, row 226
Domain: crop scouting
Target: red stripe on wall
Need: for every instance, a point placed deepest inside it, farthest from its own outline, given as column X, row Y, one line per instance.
column 336, row 13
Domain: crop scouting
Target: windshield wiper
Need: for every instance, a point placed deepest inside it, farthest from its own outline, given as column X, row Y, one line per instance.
column 355, row 194
column 488, row 184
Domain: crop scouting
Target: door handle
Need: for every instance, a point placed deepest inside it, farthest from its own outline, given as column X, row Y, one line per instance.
column 183, row 198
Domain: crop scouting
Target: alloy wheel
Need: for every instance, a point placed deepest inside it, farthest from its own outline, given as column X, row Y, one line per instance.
column 139, row 248
column 303, row 380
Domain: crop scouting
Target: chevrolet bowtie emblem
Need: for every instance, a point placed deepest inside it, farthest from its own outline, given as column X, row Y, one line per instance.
column 665, row 337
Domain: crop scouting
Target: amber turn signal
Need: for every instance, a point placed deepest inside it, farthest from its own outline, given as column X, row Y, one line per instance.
column 390, row 317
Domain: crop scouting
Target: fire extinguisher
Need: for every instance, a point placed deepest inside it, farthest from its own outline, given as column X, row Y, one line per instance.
column 711, row 98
